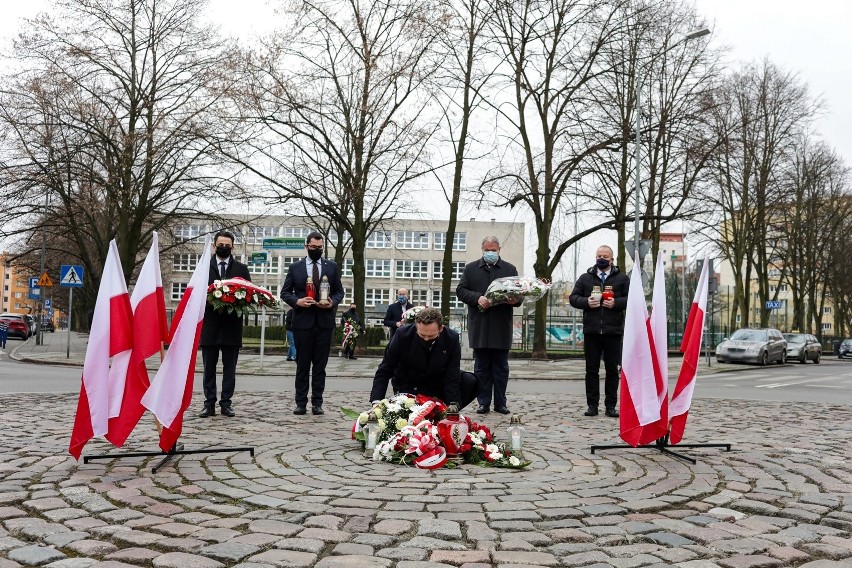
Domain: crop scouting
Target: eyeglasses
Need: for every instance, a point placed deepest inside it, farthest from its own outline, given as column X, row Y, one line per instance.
column 224, row 246
column 312, row 247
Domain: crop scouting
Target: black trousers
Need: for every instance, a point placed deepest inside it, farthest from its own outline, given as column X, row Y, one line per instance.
column 210, row 357
column 609, row 346
column 311, row 359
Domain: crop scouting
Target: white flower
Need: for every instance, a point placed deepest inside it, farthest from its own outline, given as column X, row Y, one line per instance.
column 363, row 418
column 401, row 423
column 226, row 289
column 408, row 402
column 496, row 455
column 482, row 435
column 240, row 294
column 514, row 461
column 382, row 425
column 492, row 448
column 394, row 407
column 217, row 294
column 378, row 411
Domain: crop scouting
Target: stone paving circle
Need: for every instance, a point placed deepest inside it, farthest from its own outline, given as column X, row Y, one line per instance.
column 781, row 497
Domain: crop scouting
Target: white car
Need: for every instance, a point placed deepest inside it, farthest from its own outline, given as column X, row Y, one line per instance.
column 761, row 345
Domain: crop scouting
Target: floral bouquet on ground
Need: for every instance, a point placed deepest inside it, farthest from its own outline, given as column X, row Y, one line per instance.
column 516, row 289
column 350, row 334
column 239, row 296
column 410, row 314
column 409, row 433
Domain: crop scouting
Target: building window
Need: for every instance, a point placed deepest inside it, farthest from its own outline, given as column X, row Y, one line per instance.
column 347, row 267
column 774, row 273
column 189, row 232
column 826, row 326
column 255, row 235
column 19, row 295
column 274, row 290
column 288, row 260
column 417, row 240
column 826, row 310
column 332, row 237
column 379, row 240
column 783, row 287
column 412, row 268
column 376, row 297
column 272, row 267
column 419, row 297
column 296, row 232
column 459, row 241
column 438, row 270
column 378, row 268
column 185, row 262
column 455, row 303
column 178, row 288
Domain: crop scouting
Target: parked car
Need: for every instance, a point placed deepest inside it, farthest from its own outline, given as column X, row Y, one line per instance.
column 47, row 324
column 18, row 325
column 845, row 349
column 803, row 347
column 761, row 345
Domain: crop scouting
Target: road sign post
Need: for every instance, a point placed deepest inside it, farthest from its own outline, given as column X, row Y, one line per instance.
column 70, row 276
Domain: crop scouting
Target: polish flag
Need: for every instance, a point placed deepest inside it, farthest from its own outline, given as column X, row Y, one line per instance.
column 691, row 349
column 170, row 392
column 111, row 337
column 150, row 330
column 660, row 334
column 640, row 403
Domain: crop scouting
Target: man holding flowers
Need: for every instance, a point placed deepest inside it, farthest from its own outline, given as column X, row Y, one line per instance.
column 222, row 330
column 489, row 326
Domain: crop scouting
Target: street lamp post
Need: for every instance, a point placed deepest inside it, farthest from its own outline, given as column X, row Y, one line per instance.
column 638, row 245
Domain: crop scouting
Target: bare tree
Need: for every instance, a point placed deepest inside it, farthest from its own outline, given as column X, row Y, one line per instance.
column 103, row 127
column 335, row 109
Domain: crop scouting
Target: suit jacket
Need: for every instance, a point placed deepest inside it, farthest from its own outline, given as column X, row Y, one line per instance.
column 601, row 320
column 220, row 327
column 491, row 329
column 394, row 314
column 294, row 288
column 413, row 370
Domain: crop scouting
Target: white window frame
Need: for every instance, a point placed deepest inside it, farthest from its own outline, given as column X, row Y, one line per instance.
column 412, row 269
column 377, row 268
column 412, row 240
column 826, row 326
column 178, row 289
column 192, row 232
column 293, row 232
column 273, row 266
column 438, row 269
column 439, row 240
column 455, row 303
column 379, row 240
column 185, row 262
column 256, row 233
column 419, row 297
column 346, row 270
column 374, row 297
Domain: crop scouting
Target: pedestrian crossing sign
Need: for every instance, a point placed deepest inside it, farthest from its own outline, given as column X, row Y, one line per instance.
column 71, row 276
column 45, row 281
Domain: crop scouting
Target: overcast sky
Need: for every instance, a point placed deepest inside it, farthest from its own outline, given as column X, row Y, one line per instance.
column 813, row 39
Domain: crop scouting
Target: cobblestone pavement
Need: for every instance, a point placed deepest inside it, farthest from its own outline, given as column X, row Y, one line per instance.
column 781, row 497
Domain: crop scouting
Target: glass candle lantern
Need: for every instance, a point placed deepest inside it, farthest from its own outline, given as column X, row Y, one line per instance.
column 516, row 432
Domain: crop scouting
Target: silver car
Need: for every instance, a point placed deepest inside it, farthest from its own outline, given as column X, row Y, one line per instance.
column 761, row 345
column 803, row 347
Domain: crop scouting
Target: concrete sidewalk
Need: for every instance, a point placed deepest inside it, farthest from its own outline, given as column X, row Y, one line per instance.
column 54, row 349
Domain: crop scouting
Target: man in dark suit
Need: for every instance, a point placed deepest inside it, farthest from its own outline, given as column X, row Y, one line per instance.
column 221, row 331
column 424, row 358
column 489, row 327
column 313, row 320
column 393, row 317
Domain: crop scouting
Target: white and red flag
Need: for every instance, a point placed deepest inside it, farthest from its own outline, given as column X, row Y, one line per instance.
column 150, row 330
column 640, row 403
column 660, row 336
column 691, row 349
column 170, row 392
column 111, row 337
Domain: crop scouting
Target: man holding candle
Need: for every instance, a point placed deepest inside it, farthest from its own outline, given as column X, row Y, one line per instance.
column 313, row 320
column 603, row 327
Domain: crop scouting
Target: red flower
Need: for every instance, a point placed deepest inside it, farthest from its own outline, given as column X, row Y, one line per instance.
column 227, row 298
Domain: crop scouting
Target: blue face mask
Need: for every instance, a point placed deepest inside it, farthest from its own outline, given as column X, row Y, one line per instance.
column 490, row 256
column 401, row 299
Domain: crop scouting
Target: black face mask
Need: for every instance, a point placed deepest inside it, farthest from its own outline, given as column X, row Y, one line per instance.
column 315, row 254
column 602, row 263
column 223, row 252
column 427, row 344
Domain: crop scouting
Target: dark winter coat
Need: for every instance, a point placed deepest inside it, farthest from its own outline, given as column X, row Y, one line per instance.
column 394, row 315
column 293, row 289
column 601, row 320
column 221, row 327
column 491, row 329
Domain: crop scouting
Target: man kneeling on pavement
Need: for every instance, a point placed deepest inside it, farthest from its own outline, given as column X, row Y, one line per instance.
column 425, row 359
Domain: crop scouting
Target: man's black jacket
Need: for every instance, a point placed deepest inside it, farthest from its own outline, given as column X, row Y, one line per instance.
column 601, row 320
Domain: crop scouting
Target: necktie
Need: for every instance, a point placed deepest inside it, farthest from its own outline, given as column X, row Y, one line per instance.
column 222, row 270
column 316, row 274
column 603, row 277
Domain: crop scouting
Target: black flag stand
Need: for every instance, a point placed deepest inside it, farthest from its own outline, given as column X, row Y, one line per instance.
column 663, row 445
column 177, row 450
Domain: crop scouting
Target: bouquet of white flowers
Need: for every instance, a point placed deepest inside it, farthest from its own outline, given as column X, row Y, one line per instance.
column 516, row 289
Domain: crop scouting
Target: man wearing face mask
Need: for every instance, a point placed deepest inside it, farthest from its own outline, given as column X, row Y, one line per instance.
column 393, row 317
column 313, row 320
column 425, row 358
column 221, row 331
column 489, row 327
column 603, row 328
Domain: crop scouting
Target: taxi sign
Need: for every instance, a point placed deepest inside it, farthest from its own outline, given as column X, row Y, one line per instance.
column 44, row 281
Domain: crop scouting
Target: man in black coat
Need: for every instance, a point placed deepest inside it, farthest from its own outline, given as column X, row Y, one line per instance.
column 221, row 331
column 489, row 327
column 393, row 317
column 425, row 358
column 603, row 328
column 313, row 320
